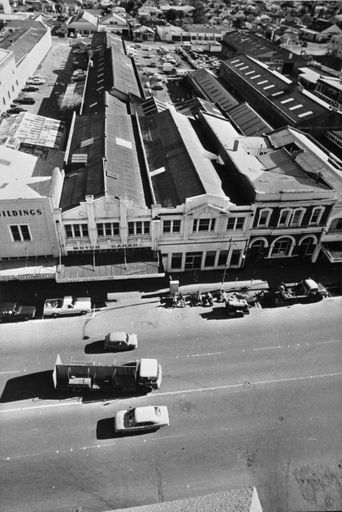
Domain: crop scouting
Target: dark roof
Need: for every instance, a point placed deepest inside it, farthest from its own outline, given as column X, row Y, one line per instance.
column 194, row 105
column 122, row 170
column 84, row 170
column 320, row 25
column 178, row 165
column 207, row 84
column 295, row 105
column 124, row 80
column 24, row 37
column 248, row 121
column 256, row 46
column 98, row 76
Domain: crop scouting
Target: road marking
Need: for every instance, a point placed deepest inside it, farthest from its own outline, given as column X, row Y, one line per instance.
column 243, row 385
column 266, row 348
column 204, row 355
column 45, row 406
column 12, row 371
column 165, row 437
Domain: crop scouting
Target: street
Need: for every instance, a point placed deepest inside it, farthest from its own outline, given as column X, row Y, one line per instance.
column 252, row 401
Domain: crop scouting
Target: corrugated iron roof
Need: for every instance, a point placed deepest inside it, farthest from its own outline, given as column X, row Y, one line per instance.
column 123, row 75
column 210, row 87
column 178, row 164
column 23, row 39
column 248, row 121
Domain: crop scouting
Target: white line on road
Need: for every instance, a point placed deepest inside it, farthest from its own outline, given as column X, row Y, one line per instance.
column 266, row 348
column 256, row 383
column 204, row 355
column 11, row 371
column 45, row 406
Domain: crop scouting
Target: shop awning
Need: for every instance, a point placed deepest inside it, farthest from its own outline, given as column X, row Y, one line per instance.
column 102, row 267
column 333, row 251
column 28, row 269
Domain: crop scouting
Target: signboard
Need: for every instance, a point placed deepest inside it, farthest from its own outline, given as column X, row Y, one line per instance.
column 107, row 246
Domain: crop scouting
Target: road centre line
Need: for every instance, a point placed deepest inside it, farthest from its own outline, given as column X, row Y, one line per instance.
column 266, row 348
column 11, row 371
column 44, row 406
column 256, row 383
column 204, row 355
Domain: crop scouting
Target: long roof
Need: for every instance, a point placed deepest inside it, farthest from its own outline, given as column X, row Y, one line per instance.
column 297, row 106
column 248, row 120
column 179, row 166
column 123, row 75
column 23, row 39
column 211, row 88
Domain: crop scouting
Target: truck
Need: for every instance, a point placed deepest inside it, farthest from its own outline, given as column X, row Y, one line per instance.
column 15, row 312
column 285, row 294
column 66, row 306
column 89, row 376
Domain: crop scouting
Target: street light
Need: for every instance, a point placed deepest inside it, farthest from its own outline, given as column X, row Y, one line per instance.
column 243, row 257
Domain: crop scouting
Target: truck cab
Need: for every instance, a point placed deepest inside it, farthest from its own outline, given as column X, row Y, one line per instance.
column 150, row 373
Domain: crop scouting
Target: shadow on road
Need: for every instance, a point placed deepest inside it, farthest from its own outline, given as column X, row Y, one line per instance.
column 218, row 313
column 40, row 386
column 105, row 430
column 95, row 347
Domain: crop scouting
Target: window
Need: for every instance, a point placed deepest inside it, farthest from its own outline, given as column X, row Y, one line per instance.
column 297, row 217
column 281, row 247
column 108, row 229
column 264, row 217
column 284, row 217
column 235, row 223
column 223, row 256
column 316, row 216
column 204, row 225
column 235, row 258
column 20, row 233
column 176, row 260
column 76, row 230
column 139, row 228
column 171, row 226
column 336, row 225
column 210, row 259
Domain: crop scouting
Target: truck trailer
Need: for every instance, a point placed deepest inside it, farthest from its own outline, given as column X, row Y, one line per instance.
column 87, row 376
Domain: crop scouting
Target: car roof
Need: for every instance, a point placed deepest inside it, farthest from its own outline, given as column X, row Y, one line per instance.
column 147, row 413
column 148, row 367
column 117, row 336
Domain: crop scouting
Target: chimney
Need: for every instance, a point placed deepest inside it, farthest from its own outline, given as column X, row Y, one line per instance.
column 236, row 145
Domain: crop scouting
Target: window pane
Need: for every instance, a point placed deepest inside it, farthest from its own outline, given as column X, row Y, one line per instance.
column 195, row 225
column 223, row 258
column 131, row 228
column 203, row 225
column 146, row 228
column 166, row 226
column 212, row 225
column 176, row 260
column 210, row 259
column 116, row 228
column 84, row 229
column 77, row 231
column 176, row 226
column 231, row 223
column 138, row 228
column 235, row 258
column 240, row 222
column 15, row 233
column 68, row 231
column 25, row 232
column 99, row 229
column 108, row 228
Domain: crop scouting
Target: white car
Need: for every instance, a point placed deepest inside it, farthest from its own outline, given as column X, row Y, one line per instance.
column 67, row 306
column 141, row 419
column 36, row 80
column 121, row 341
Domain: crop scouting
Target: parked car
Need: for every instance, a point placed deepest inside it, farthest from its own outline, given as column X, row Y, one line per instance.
column 36, row 81
column 141, row 419
column 30, row 88
column 157, row 87
column 67, row 306
column 26, row 100
column 14, row 312
column 121, row 341
column 16, row 110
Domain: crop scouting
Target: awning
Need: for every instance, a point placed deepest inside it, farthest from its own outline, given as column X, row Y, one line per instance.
column 103, row 267
column 28, row 269
column 333, row 251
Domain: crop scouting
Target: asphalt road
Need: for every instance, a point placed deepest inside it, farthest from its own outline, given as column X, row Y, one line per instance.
column 255, row 401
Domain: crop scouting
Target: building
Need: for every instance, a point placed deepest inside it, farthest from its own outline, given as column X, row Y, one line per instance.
column 21, row 51
column 115, row 24
column 320, row 31
column 335, row 45
column 236, row 43
column 278, row 99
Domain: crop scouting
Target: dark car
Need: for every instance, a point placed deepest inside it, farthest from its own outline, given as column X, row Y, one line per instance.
column 14, row 312
column 25, row 100
column 16, row 110
column 30, row 88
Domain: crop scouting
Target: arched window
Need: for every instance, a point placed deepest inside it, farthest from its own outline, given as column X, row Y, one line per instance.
column 281, row 247
column 307, row 246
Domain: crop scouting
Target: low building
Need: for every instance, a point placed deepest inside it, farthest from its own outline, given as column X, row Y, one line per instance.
column 320, row 31
column 115, row 24
column 83, row 23
column 335, row 45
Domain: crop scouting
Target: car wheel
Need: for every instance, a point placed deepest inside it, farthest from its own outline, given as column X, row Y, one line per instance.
column 83, row 312
column 54, row 315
